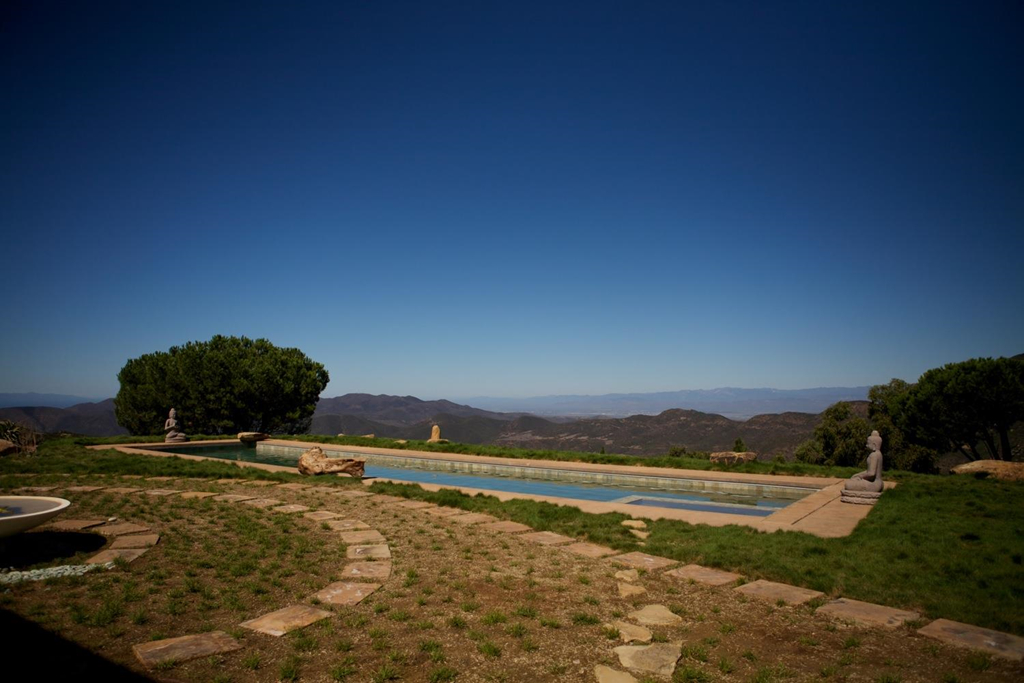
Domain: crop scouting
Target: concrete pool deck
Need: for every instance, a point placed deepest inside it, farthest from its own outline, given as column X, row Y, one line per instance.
column 820, row 513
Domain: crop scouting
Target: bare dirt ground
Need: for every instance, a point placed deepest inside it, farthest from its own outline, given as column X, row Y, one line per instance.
column 461, row 603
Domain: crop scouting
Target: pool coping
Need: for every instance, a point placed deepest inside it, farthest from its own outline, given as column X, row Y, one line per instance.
column 821, row 513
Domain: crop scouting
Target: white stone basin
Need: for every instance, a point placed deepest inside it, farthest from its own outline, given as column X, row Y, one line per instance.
column 18, row 513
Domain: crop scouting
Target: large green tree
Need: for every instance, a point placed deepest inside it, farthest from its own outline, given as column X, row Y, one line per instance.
column 221, row 386
column 887, row 413
column 838, row 439
column 968, row 406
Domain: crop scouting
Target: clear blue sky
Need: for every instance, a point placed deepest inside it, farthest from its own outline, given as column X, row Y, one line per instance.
column 511, row 199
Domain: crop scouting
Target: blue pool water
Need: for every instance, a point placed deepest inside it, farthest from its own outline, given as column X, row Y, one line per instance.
column 731, row 503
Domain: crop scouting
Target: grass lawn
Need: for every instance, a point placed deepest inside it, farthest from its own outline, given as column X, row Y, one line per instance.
column 943, row 546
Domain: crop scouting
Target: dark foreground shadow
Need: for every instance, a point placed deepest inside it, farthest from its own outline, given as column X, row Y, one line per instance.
column 33, row 653
column 25, row 550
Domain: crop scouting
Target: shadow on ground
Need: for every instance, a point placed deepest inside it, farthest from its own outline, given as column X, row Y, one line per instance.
column 33, row 653
column 43, row 547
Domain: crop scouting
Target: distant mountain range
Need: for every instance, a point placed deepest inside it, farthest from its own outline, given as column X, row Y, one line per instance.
column 43, row 400
column 738, row 404
column 407, row 417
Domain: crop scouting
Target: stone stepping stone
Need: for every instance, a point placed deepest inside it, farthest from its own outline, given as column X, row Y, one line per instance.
column 136, row 541
column 388, row 499
column 111, row 554
column 506, row 527
column 547, row 538
column 659, row 658
column 121, row 529
column 606, row 674
column 290, row 509
column 629, row 633
column 353, row 494
column 642, row 535
column 628, row 590
column 228, row 481
column 866, row 613
column 344, row 593
column 588, row 549
column 769, row 590
column 198, row 494
column 976, row 638
column 84, row 489
column 656, row 615
column 705, row 575
column 630, row 575
column 323, row 489
column 286, row 620
column 347, row 525
column 414, row 505
column 160, row 478
column 362, row 537
column 321, row 515
column 473, row 518
column 76, row 524
column 161, row 492
column 374, row 571
column 131, row 476
column 185, row 648
column 122, row 489
column 634, row 523
column 233, row 497
column 260, row 482
column 34, row 489
column 368, row 552
column 642, row 561
column 293, row 487
column 262, row 503
column 439, row 511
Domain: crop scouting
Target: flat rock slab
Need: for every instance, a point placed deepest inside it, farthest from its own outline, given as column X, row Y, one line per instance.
column 414, row 505
column 111, row 554
column 866, row 613
column 260, row 482
column 34, row 489
column 321, row 515
column 629, row 633
column 976, row 638
column 136, row 541
column 642, row 535
column 642, row 561
column 473, row 518
column 656, row 615
column 185, row 648
column 76, row 524
column 368, row 552
column 198, row 494
column 606, row 674
column 589, row 549
column 345, row 493
column 161, row 492
column 628, row 590
column 84, row 489
column 122, row 528
column 362, row 537
column 262, row 503
column 547, row 538
column 769, row 590
column 347, row 524
column 630, row 575
column 233, row 497
column 286, row 620
column 439, row 511
column 659, row 658
column 705, row 575
column 634, row 523
column 122, row 489
column 293, row 487
column 160, row 478
column 131, row 476
column 228, row 481
column 506, row 527
column 290, row 509
column 373, row 571
column 344, row 593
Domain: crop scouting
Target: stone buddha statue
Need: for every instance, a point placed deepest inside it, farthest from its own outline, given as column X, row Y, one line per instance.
column 865, row 487
column 173, row 433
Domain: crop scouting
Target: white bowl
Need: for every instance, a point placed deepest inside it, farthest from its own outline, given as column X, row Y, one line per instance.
column 28, row 511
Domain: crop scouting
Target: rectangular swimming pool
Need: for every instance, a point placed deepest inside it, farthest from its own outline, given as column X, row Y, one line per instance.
column 755, row 500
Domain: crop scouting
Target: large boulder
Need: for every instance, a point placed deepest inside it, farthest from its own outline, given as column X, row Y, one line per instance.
column 732, row 457
column 8, row 447
column 314, row 462
column 252, row 437
column 997, row 469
